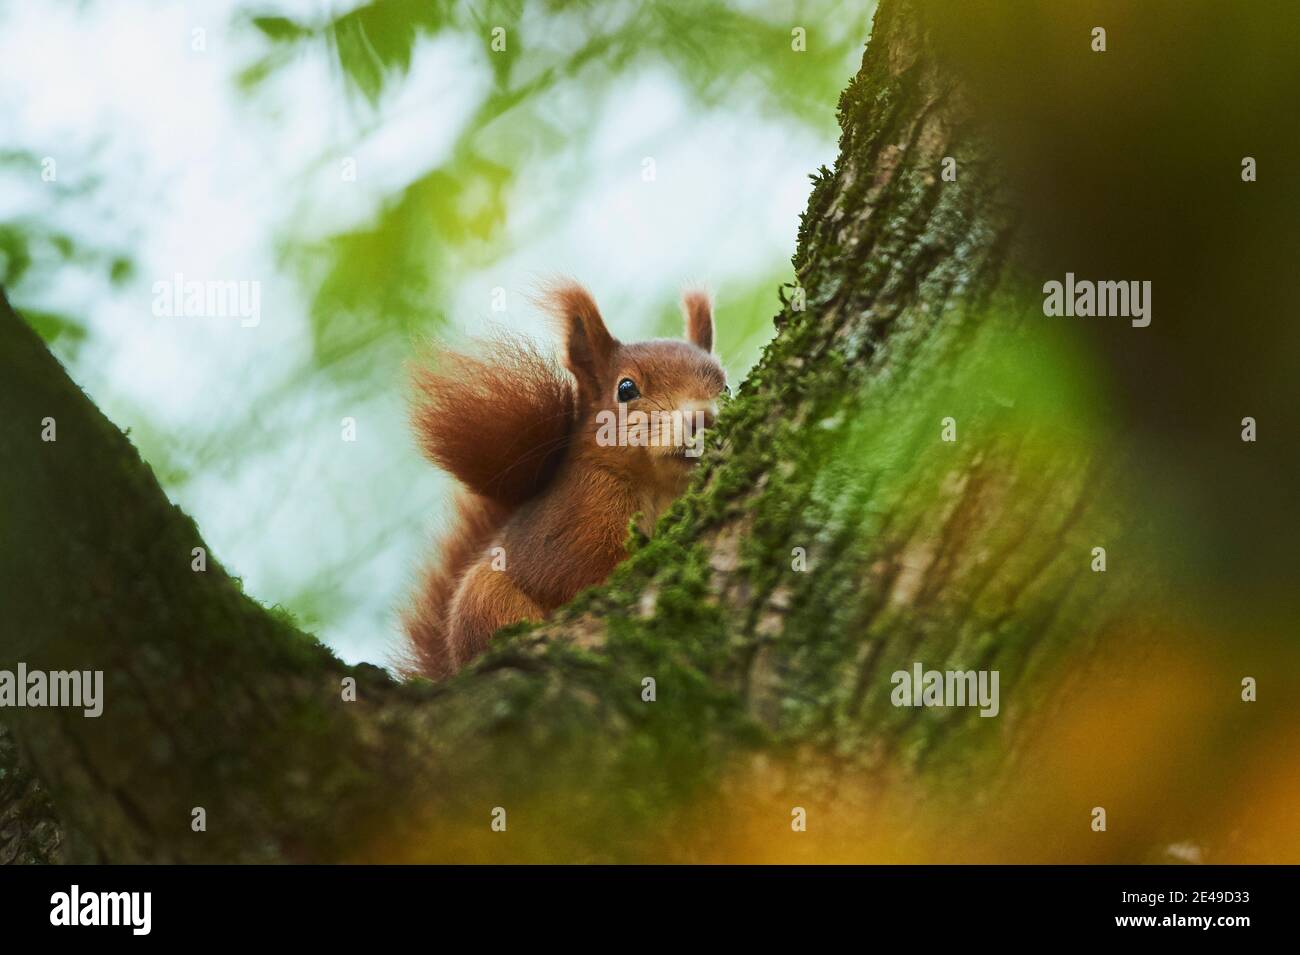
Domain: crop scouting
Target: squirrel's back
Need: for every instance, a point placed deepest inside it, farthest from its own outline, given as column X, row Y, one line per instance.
column 429, row 653
column 500, row 422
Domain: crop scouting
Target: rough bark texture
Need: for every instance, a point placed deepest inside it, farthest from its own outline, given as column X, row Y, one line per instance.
column 832, row 537
column 29, row 829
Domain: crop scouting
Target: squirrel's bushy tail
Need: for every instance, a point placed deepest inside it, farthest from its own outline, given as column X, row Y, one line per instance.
column 500, row 422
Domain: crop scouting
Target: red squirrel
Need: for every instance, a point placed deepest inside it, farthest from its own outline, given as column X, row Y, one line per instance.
column 552, row 467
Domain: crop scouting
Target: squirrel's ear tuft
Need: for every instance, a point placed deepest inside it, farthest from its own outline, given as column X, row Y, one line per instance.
column 699, row 319
column 588, row 345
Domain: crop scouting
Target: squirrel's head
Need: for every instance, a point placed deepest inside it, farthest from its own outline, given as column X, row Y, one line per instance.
column 657, row 395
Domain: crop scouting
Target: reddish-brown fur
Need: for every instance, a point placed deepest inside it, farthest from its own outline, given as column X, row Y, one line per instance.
column 521, row 437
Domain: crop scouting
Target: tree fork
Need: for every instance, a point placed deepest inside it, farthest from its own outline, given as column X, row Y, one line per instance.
column 768, row 677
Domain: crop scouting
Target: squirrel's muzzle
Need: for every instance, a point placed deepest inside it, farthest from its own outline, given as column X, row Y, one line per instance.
column 699, row 414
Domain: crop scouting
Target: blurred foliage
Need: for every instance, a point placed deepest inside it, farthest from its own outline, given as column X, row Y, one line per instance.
column 381, row 277
column 1129, row 165
column 33, row 251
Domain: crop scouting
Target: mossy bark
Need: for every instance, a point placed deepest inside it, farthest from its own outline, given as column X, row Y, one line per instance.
column 833, row 535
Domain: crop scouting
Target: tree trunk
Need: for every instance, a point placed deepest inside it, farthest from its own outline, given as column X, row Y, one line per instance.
column 914, row 472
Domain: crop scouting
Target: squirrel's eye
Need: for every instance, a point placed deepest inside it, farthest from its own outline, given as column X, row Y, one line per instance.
column 627, row 390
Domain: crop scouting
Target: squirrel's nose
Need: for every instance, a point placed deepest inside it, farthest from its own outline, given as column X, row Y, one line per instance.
column 703, row 413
